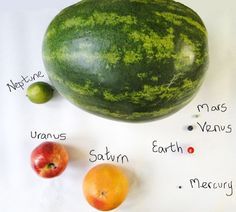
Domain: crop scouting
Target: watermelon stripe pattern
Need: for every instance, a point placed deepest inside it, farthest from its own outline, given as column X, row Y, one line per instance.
column 133, row 60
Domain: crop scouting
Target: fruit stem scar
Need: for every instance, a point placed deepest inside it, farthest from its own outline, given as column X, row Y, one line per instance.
column 103, row 193
column 51, row 166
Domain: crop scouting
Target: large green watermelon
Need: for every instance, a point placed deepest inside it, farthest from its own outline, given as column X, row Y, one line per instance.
column 132, row 60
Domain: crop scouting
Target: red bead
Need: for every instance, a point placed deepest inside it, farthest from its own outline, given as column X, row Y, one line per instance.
column 190, row 150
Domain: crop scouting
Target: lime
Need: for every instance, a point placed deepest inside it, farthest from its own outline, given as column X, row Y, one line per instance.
column 39, row 92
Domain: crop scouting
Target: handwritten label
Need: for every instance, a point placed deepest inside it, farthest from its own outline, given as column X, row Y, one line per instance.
column 207, row 127
column 212, row 108
column 47, row 136
column 172, row 147
column 23, row 81
column 108, row 156
column 228, row 188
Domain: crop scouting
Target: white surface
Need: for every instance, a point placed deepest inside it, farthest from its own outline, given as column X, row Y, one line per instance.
column 155, row 177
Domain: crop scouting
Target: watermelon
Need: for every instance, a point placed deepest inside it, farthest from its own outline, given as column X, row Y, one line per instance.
column 131, row 60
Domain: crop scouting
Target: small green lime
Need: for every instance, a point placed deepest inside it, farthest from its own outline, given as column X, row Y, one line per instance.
column 39, row 92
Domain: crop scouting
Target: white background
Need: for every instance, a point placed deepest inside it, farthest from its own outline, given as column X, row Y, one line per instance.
column 154, row 178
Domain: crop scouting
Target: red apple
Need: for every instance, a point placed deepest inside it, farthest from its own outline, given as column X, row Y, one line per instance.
column 49, row 159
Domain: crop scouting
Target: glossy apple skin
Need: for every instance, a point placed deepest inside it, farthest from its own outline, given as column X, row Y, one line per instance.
column 105, row 186
column 49, row 159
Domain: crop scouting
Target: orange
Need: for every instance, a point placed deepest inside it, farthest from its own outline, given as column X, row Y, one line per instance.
column 105, row 186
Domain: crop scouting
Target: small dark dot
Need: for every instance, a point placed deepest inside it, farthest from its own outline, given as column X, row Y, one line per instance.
column 190, row 128
column 180, row 187
column 196, row 116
